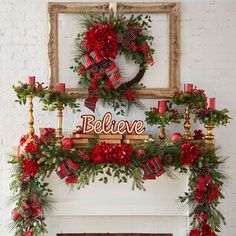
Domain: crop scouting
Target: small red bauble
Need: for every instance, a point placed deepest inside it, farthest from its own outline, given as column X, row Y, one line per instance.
column 176, row 137
column 15, row 214
column 28, row 233
column 67, row 143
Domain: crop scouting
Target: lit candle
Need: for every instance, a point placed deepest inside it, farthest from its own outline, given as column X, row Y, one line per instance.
column 211, row 103
column 162, row 107
column 188, row 88
column 30, row 80
column 60, row 87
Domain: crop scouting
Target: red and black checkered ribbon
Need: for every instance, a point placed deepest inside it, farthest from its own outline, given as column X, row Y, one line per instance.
column 112, row 73
column 67, row 168
column 153, row 168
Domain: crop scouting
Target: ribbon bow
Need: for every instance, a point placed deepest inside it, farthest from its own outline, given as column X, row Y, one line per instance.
column 111, row 71
column 153, row 168
column 67, row 169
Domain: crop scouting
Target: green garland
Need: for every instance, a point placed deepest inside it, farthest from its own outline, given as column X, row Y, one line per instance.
column 153, row 117
column 53, row 156
column 212, row 116
column 50, row 99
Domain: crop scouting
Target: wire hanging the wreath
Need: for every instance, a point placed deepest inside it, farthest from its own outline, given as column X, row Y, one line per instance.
column 98, row 46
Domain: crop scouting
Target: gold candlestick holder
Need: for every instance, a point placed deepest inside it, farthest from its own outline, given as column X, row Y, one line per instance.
column 187, row 124
column 162, row 134
column 210, row 137
column 59, row 134
column 30, row 119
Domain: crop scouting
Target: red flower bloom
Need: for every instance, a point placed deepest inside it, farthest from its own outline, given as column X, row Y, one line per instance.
column 25, row 137
column 194, row 232
column 67, row 143
column 214, row 194
column 82, row 154
column 31, row 147
column 202, row 217
column 82, row 70
column 130, row 95
column 102, row 38
column 133, row 47
column 206, row 230
column 140, row 153
column 30, row 167
column 112, row 153
column 144, row 48
column 189, row 153
column 198, row 134
column 198, row 194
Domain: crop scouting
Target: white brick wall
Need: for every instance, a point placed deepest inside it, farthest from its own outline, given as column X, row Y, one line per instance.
column 208, row 59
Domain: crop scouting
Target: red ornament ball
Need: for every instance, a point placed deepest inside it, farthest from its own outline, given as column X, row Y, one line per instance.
column 176, row 137
column 15, row 214
column 28, row 233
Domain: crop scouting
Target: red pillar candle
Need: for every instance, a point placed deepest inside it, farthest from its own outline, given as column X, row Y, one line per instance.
column 211, row 103
column 188, row 88
column 30, row 80
column 162, row 107
column 60, row 87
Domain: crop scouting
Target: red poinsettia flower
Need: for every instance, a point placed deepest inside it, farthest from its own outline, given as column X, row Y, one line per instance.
column 102, row 38
column 133, row 47
column 198, row 194
column 31, row 147
column 213, row 194
column 130, row 95
column 194, row 232
column 30, row 167
column 15, row 214
column 206, row 230
column 67, row 143
column 121, row 154
column 82, row 70
column 189, row 153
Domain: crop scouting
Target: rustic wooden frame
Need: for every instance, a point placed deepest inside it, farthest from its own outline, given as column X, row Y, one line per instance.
column 173, row 9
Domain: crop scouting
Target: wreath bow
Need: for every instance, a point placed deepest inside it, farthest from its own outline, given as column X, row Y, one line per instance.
column 111, row 71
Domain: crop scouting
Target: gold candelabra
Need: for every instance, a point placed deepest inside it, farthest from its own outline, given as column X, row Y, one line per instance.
column 210, row 137
column 162, row 134
column 59, row 134
column 30, row 119
column 187, row 124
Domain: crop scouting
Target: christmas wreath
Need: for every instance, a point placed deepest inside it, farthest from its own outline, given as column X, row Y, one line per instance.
column 104, row 38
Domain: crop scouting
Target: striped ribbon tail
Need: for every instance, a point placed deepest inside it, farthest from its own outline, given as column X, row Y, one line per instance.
column 91, row 100
column 114, row 76
column 153, row 168
column 87, row 61
column 67, row 168
column 96, row 57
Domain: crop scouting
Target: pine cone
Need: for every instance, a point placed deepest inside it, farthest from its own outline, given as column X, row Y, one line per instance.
column 131, row 35
column 24, row 185
column 168, row 159
column 119, row 37
column 199, row 208
column 202, row 151
column 126, row 43
column 204, row 171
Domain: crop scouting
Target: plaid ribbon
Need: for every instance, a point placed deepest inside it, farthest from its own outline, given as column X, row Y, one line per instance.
column 67, row 168
column 91, row 100
column 114, row 76
column 153, row 168
column 112, row 72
